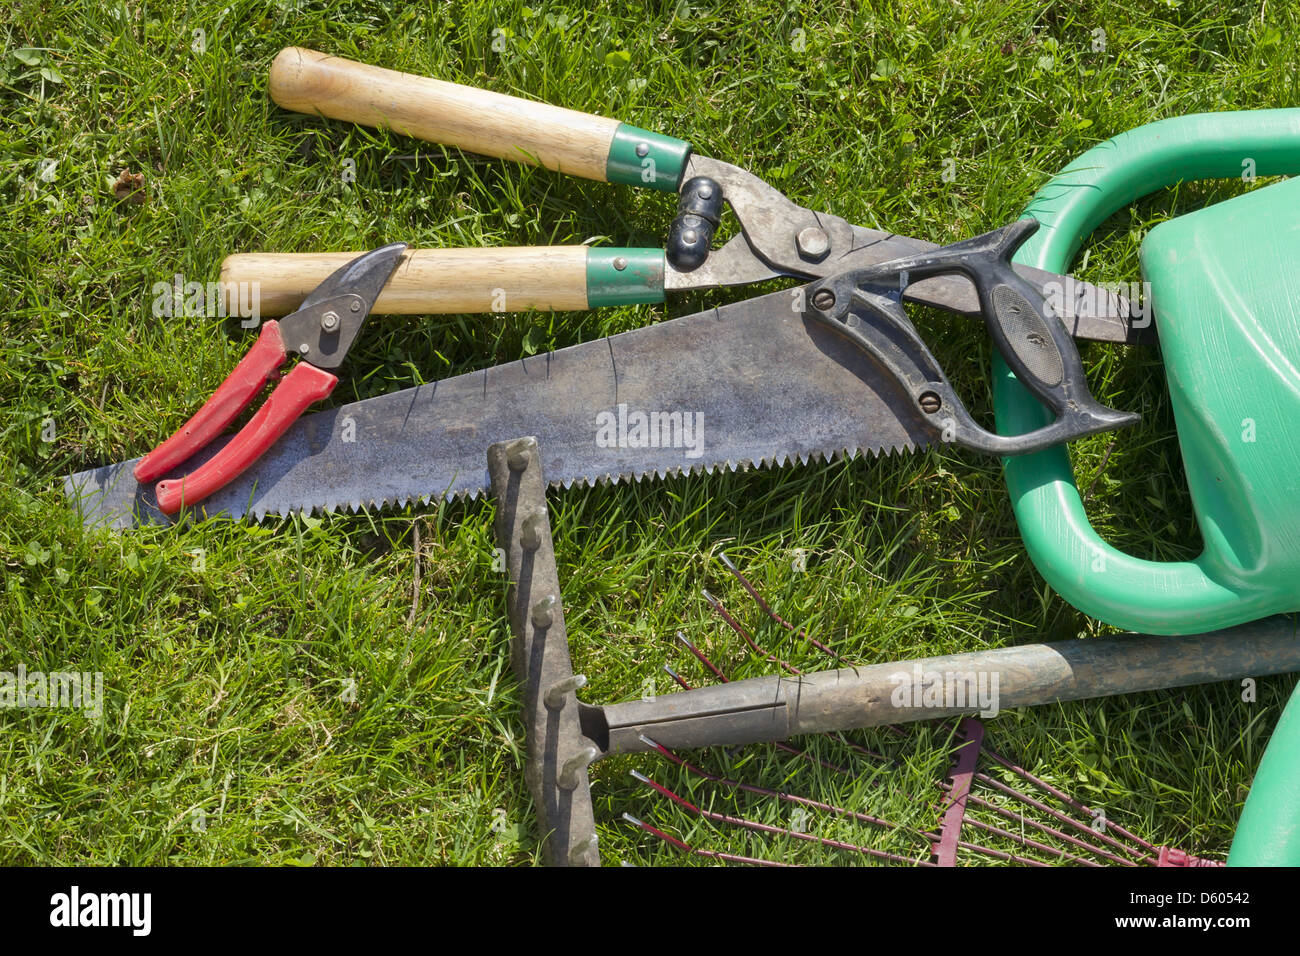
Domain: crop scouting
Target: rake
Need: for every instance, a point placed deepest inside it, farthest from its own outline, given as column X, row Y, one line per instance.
column 565, row 735
column 1045, row 825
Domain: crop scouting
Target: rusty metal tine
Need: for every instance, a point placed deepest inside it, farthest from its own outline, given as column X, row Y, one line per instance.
column 1032, row 844
column 1001, row 854
column 766, row 792
column 859, row 749
column 1038, row 805
column 739, row 629
column 677, row 678
column 1067, row 799
column 710, row 854
column 755, row 825
column 699, row 655
column 767, row 609
column 1047, row 830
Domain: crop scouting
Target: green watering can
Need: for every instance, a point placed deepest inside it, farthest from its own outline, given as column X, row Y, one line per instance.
column 1225, row 287
column 1268, row 833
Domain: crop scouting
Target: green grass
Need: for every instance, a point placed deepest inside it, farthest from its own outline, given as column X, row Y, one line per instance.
column 285, row 693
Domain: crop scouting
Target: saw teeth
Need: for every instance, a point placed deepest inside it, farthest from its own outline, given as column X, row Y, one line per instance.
column 610, row 479
column 661, row 472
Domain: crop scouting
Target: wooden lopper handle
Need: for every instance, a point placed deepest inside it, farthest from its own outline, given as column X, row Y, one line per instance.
column 476, row 120
column 428, row 281
column 457, row 280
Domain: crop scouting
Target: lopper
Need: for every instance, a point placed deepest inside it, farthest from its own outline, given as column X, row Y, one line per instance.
column 850, row 312
column 831, row 367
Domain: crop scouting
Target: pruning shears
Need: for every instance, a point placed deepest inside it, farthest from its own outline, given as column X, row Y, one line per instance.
column 320, row 333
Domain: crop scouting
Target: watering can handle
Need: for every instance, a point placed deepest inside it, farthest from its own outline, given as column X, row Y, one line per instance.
column 1150, row 596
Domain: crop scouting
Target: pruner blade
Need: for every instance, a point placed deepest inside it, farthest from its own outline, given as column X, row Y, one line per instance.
column 321, row 332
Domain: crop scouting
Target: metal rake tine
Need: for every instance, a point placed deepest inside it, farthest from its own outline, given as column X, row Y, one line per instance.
column 767, row 609
column 767, row 792
column 736, row 626
column 1038, row 805
column 699, row 655
column 859, row 749
column 1068, row 800
column 1032, row 844
column 1000, row 854
column 1047, row 830
column 709, row 854
column 680, row 681
column 1023, row 819
column 755, row 825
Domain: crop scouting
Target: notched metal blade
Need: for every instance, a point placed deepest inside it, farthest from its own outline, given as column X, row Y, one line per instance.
column 747, row 385
column 366, row 276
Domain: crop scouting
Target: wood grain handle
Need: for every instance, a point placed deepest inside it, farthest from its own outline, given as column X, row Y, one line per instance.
column 480, row 121
column 427, row 282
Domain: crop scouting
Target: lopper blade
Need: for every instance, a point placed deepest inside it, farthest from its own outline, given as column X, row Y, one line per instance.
column 748, row 384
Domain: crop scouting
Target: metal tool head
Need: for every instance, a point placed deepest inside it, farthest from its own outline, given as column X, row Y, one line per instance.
column 778, row 238
column 330, row 318
column 559, row 745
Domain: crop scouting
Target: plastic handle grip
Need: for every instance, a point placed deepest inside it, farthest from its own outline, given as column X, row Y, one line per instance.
column 304, row 385
column 234, row 395
column 1151, row 596
column 865, row 305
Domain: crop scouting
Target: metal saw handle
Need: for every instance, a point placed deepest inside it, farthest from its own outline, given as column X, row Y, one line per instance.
column 478, row 121
column 866, row 306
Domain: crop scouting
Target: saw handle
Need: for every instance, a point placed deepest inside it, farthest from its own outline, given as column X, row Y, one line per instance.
column 1159, row 597
column 475, row 120
column 865, row 305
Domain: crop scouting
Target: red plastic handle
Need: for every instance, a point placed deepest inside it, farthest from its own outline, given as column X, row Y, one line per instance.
column 303, row 385
column 232, row 397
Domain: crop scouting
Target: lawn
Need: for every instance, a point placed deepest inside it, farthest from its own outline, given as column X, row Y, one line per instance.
column 336, row 690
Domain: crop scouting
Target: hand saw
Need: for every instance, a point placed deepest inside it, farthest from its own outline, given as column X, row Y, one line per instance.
column 832, row 368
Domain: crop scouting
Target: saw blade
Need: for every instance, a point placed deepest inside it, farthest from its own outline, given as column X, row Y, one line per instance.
column 745, row 385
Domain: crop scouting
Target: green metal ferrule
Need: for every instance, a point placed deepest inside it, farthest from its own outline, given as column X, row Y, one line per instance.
column 638, row 157
column 624, row 276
